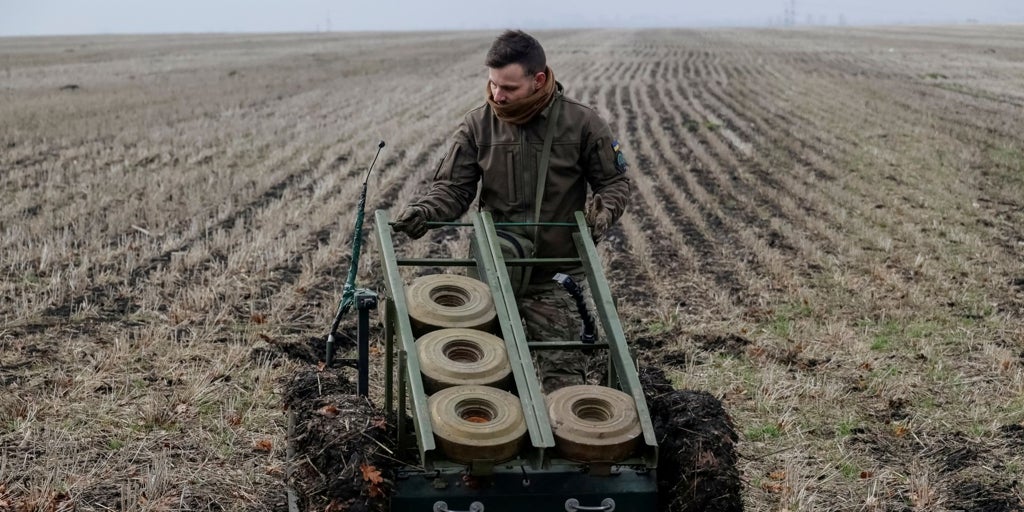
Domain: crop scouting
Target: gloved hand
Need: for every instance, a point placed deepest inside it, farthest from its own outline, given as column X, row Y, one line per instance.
column 412, row 222
column 599, row 219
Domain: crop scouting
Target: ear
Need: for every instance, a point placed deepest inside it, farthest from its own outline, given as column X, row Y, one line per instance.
column 540, row 78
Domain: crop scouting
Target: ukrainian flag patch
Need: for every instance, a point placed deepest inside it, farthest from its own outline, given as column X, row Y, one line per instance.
column 620, row 160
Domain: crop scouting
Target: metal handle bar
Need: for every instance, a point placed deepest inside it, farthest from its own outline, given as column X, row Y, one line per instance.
column 440, row 506
column 573, row 504
column 499, row 224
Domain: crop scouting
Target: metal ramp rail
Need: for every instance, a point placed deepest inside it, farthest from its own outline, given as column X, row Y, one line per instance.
column 539, row 456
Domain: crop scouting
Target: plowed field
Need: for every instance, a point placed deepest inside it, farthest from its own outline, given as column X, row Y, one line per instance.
column 826, row 233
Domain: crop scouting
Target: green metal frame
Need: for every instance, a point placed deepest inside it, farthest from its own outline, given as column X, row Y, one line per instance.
column 407, row 383
column 517, row 489
column 625, row 369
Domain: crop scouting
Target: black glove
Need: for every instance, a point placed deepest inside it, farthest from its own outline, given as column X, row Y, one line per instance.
column 599, row 219
column 412, row 222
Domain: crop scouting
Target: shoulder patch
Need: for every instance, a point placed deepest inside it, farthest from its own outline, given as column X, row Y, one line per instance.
column 620, row 160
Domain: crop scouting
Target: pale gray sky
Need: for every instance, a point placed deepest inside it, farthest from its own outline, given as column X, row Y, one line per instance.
column 45, row 17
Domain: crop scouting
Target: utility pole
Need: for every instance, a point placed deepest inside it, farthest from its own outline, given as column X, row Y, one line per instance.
column 789, row 18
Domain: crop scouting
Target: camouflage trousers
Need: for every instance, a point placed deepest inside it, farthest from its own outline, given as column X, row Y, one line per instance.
column 550, row 314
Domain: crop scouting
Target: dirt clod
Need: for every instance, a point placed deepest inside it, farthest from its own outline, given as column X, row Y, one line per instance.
column 339, row 441
column 697, row 448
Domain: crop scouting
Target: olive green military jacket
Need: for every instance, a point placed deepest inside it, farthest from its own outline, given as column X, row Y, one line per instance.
column 504, row 159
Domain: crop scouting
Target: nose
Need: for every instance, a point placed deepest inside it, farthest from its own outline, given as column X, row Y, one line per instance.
column 499, row 96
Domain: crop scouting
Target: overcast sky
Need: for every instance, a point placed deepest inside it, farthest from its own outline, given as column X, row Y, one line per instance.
column 45, row 17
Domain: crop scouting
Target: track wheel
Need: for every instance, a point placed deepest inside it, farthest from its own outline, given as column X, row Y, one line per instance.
column 593, row 423
column 452, row 357
column 441, row 301
column 477, row 423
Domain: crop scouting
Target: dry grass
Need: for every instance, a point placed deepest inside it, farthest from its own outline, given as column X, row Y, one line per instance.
column 825, row 234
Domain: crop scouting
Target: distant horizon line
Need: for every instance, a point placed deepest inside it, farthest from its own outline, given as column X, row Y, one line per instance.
column 798, row 26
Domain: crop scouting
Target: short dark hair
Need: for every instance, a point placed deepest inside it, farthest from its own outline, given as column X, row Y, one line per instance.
column 517, row 47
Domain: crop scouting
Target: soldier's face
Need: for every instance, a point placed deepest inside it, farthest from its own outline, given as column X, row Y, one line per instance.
column 512, row 83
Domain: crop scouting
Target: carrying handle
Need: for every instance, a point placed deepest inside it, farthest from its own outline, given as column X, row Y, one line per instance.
column 440, row 506
column 573, row 504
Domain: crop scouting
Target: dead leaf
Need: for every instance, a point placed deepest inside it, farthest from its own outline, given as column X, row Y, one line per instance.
column 329, row 410
column 263, row 445
column 381, row 423
column 321, row 366
column 900, row 431
column 778, row 474
column 371, row 474
column 866, row 474
column 258, row 318
column 233, row 418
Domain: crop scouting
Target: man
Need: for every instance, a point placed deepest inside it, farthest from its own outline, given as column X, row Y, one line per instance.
column 504, row 144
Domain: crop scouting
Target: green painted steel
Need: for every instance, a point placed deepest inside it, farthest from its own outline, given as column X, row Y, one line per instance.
column 625, row 370
column 500, row 487
column 566, row 345
column 488, row 251
column 408, row 367
column 518, row 489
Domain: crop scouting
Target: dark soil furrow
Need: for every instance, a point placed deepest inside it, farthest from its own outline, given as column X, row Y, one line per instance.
column 767, row 188
column 725, row 273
